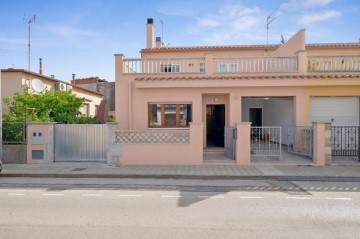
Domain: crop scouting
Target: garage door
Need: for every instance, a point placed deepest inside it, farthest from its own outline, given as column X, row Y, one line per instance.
column 341, row 111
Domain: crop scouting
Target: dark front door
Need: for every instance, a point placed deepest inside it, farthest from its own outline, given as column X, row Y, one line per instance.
column 255, row 117
column 215, row 123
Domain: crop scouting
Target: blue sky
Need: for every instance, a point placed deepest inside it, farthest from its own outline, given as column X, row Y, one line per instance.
column 82, row 36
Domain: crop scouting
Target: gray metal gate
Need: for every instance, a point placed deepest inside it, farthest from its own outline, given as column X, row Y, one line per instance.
column 80, row 142
column 345, row 141
column 300, row 140
column 266, row 141
column 230, row 142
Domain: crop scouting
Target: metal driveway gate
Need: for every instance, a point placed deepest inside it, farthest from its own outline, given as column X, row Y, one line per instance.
column 345, row 141
column 300, row 140
column 230, row 140
column 266, row 141
column 80, row 142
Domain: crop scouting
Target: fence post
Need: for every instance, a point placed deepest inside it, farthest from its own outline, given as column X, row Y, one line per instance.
column 322, row 143
column 358, row 142
column 243, row 143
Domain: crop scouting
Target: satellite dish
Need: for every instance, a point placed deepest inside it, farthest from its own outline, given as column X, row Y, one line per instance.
column 38, row 85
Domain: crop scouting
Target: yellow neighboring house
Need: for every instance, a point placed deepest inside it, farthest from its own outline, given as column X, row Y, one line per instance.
column 12, row 81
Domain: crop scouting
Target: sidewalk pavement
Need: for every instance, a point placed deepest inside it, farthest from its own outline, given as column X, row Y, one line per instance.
column 261, row 172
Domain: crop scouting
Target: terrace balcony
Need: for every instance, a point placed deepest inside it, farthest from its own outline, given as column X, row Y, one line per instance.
column 214, row 65
column 239, row 65
column 340, row 63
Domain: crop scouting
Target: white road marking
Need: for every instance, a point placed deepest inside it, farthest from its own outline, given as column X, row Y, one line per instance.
column 251, row 197
column 16, row 194
column 345, row 199
column 171, row 196
column 130, row 195
column 92, row 195
column 53, row 194
column 355, row 188
column 211, row 197
column 297, row 198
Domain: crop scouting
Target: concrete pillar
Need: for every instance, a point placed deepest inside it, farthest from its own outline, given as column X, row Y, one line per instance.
column 196, row 140
column 243, row 143
column 302, row 62
column 40, row 143
column 209, row 63
column 322, row 143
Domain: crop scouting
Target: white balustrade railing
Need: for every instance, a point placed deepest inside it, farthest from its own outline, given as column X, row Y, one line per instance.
column 334, row 63
column 156, row 136
column 257, row 64
column 157, row 66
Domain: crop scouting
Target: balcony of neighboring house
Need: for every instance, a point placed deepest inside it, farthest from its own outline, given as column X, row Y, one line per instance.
column 338, row 63
column 263, row 64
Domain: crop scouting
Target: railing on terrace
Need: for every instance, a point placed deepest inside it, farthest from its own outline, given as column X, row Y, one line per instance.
column 257, row 64
column 156, row 66
column 156, row 136
column 333, row 63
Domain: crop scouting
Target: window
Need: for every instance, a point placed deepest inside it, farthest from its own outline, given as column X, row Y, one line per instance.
column 202, row 67
column 169, row 115
column 85, row 110
column 170, row 68
column 96, row 109
column 228, row 67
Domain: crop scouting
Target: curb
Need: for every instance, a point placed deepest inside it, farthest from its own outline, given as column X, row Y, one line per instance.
column 203, row 177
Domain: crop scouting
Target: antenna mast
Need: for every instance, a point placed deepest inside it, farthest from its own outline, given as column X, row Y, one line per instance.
column 31, row 20
column 162, row 32
column 269, row 20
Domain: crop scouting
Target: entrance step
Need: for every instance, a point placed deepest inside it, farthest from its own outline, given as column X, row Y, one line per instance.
column 212, row 151
column 216, row 159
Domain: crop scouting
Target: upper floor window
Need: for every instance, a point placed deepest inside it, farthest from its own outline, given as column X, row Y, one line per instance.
column 202, row 67
column 228, row 67
column 170, row 68
column 169, row 115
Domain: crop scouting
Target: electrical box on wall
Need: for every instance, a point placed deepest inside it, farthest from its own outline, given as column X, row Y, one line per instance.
column 37, row 138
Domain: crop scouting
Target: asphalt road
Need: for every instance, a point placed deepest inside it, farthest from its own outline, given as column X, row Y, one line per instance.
column 150, row 208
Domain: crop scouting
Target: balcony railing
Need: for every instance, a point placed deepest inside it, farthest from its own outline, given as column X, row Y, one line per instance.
column 333, row 63
column 160, row 66
column 257, row 64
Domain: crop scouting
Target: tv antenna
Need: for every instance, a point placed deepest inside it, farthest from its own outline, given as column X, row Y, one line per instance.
column 162, row 32
column 269, row 20
column 31, row 20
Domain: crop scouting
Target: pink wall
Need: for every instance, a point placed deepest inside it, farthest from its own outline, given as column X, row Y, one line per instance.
column 166, row 154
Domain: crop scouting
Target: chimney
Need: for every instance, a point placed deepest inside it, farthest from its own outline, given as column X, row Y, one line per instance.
column 40, row 66
column 73, row 79
column 158, row 42
column 150, row 33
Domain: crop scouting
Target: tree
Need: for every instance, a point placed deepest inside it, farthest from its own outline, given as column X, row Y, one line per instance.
column 50, row 106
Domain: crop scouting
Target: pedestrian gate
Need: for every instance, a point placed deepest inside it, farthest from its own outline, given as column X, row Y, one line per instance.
column 300, row 140
column 80, row 142
column 345, row 141
column 266, row 141
column 230, row 142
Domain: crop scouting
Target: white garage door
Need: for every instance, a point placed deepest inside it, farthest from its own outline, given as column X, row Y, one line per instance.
column 341, row 111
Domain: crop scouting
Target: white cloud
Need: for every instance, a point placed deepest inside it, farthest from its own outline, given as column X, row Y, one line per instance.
column 230, row 25
column 13, row 41
column 66, row 31
column 311, row 3
column 319, row 17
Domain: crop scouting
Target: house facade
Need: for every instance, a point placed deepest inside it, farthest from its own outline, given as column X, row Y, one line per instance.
column 287, row 85
column 13, row 80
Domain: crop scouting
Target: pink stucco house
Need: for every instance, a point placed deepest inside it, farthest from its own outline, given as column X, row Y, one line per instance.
column 200, row 94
